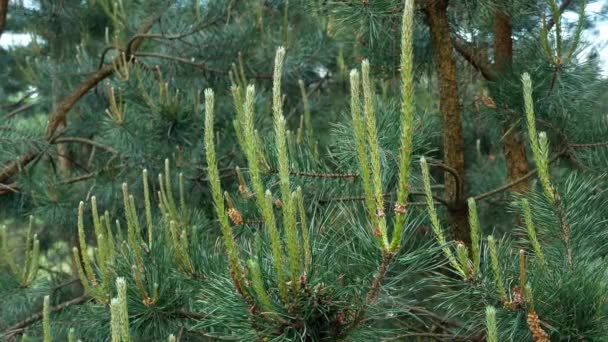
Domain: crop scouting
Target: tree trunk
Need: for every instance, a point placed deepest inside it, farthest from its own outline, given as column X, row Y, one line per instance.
column 513, row 147
column 3, row 15
column 453, row 143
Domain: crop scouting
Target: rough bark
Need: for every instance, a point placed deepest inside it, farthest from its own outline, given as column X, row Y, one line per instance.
column 449, row 105
column 3, row 14
column 512, row 144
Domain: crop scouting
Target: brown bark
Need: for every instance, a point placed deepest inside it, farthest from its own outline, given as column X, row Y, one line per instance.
column 3, row 14
column 453, row 142
column 59, row 114
column 512, row 144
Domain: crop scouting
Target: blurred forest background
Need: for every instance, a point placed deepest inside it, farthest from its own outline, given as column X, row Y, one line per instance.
column 92, row 92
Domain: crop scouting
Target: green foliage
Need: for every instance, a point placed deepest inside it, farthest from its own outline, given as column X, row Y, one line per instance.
column 276, row 224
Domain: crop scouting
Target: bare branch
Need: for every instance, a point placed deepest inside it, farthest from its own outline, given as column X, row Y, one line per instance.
column 200, row 66
column 86, row 142
column 19, row 327
column 472, row 55
column 558, row 155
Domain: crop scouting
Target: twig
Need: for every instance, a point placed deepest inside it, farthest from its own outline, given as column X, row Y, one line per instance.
column 17, row 328
column 85, row 141
column 558, row 155
column 476, row 59
column 362, row 198
column 454, row 173
column 201, row 66
column 20, row 110
column 349, row 175
column 564, row 5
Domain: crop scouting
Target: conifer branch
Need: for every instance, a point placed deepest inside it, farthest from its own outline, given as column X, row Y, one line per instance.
column 200, row 66
column 58, row 116
column 310, row 174
column 20, row 326
column 474, row 56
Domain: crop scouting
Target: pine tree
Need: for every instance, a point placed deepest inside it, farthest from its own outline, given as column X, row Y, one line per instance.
column 236, row 212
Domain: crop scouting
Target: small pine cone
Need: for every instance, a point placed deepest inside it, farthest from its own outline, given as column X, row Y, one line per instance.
column 517, row 297
column 235, row 216
column 538, row 334
column 380, row 212
column 278, row 204
column 377, row 232
column 400, row 209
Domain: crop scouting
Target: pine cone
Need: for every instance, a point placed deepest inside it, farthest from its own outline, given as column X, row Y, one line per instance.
column 235, row 216
column 538, row 334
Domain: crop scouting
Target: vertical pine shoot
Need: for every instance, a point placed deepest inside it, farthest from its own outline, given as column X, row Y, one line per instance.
column 474, row 224
column 491, row 330
column 88, row 269
column 182, row 200
column 72, row 335
column 532, row 232
column 435, row 219
column 258, row 286
column 148, row 207
column 463, row 257
column 86, row 284
column 275, row 242
column 95, row 215
column 115, row 320
column 538, row 142
column 46, row 323
column 304, row 228
column 251, row 146
column 121, row 288
column 361, row 148
column 28, row 273
column 289, row 213
column 374, row 149
column 216, row 191
column 522, row 272
column 407, row 121
column 496, row 269
column 264, row 200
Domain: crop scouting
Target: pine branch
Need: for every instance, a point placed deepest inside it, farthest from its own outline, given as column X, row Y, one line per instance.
column 562, row 8
column 20, row 326
column 362, row 198
column 457, row 179
column 347, row 175
column 475, row 57
column 86, row 142
column 478, row 60
column 200, row 66
column 21, row 109
column 58, row 116
column 560, row 154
